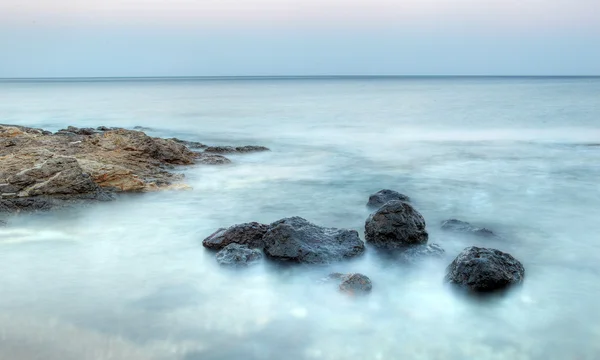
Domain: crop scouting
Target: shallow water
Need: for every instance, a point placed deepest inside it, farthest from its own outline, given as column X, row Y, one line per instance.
column 130, row 279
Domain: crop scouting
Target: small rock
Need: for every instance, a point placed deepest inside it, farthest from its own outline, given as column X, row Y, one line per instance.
column 251, row 148
column 353, row 284
column 465, row 227
column 484, row 270
column 212, row 159
column 78, row 131
column 103, row 128
column 395, row 226
column 231, row 149
column 419, row 253
column 189, row 144
column 249, row 234
column 235, row 255
column 296, row 239
column 383, row 196
column 220, row 149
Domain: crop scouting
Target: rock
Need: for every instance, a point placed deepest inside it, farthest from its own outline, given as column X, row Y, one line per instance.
column 353, row 284
column 251, row 148
column 296, row 239
column 249, row 234
column 40, row 170
column 220, row 149
column 381, row 197
column 235, row 255
column 415, row 254
column 484, row 270
column 77, row 131
column 58, row 176
column 395, row 226
column 465, row 227
column 212, row 159
column 2, row 223
column 189, row 144
column 231, row 149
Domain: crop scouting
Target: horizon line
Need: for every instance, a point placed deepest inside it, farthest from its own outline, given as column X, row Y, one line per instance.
column 270, row 77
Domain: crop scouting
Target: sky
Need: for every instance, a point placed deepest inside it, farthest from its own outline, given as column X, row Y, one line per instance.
column 114, row 38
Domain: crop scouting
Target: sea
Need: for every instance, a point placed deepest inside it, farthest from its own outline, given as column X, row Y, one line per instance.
column 130, row 279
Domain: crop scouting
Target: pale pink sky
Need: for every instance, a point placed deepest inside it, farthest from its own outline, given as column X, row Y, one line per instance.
column 56, row 38
column 502, row 14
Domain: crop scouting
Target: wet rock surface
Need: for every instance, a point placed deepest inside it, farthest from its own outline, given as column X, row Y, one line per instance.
column 238, row 256
column 41, row 170
column 381, row 197
column 415, row 254
column 352, row 284
column 233, row 150
column 190, row 144
column 212, row 159
column 249, row 234
column 395, row 226
column 484, row 270
column 298, row 240
column 466, row 228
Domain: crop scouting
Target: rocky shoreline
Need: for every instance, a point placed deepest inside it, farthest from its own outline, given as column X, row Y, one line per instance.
column 41, row 170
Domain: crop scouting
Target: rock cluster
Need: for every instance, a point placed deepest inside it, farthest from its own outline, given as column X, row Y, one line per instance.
column 292, row 240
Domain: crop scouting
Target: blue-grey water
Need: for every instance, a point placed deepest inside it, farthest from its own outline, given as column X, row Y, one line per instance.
column 131, row 280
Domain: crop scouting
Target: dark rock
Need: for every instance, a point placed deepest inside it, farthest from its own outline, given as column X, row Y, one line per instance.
column 415, row 254
column 232, row 150
column 220, row 149
column 103, row 128
column 352, row 284
column 465, row 227
column 484, row 270
column 189, row 144
column 395, row 226
column 235, row 255
column 381, row 197
column 212, row 159
column 249, row 234
column 77, row 131
column 296, row 239
column 251, row 148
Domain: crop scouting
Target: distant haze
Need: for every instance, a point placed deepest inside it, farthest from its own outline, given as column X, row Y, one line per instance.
column 72, row 38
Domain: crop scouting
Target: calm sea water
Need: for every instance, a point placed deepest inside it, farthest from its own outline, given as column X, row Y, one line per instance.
column 131, row 280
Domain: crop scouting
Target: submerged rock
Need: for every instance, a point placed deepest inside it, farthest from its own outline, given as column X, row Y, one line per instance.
column 232, row 150
column 189, row 144
column 353, row 284
column 395, row 226
column 235, row 255
column 484, row 270
column 212, row 159
column 296, row 239
column 3, row 223
column 465, row 227
column 381, row 197
column 419, row 253
column 249, row 234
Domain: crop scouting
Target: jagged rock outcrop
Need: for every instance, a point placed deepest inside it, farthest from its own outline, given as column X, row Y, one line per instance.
column 40, row 170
